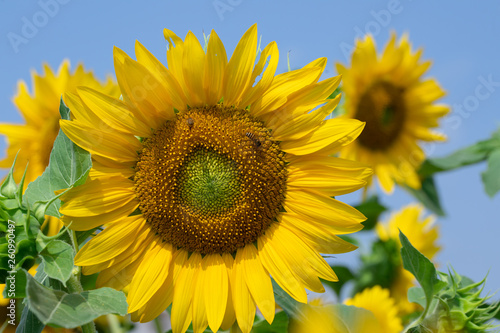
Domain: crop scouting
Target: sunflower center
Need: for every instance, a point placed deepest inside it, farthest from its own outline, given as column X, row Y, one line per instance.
column 383, row 109
column 208, row 182
column 211, row 180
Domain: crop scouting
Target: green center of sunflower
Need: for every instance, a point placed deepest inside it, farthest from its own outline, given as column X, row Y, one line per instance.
column 211, row 180
column 383, row 109
column 208, row 182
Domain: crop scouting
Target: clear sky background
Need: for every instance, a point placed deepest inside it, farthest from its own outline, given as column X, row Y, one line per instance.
column 460, row 37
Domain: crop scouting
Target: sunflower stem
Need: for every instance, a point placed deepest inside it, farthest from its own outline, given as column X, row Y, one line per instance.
column 114, row 324
column 75, row 286
column 158, row 325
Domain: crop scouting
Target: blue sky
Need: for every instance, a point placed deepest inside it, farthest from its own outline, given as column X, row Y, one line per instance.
column 460, row 37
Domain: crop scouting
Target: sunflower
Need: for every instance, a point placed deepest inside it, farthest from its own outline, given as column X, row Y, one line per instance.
column 32, row 142
column 375, row 313
column 210, row 182
column 388, row 93
column 422, row 234
column 377, row 301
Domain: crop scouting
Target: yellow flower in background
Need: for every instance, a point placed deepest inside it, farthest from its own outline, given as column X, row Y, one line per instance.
column 371, row 311
column 377, row 301
column 32, row 142
column 397, row 104
column 209, row 182
column 40, row 109
column 422, row 234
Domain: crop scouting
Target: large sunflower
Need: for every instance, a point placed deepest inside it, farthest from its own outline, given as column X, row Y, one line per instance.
column 32, row 142
column 388, row 93
column 209, row 182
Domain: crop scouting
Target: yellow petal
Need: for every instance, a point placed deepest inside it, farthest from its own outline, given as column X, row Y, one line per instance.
column 84, row 222
column 229, row 316
column 257, row 280
column 239, row 69
column 112, row 241
column 183, row 294
column 215, row 298
column 304, row 254
column 269, row 56
column 150, row 275
column 114, row 112
column 294, row 258
column 244, row 306
column 292, row 128
column 215, row 66
column 193, row 63
column 331, row 134
column 324, row 180
column 310, row 96
column 160, row 300
column 98, row 196
column 163, row 75
column 283, row 85
column 200, row 321
column 145, row 91
column 279, row 269
column 115, row 145
column 320, row 237
column 325, row 210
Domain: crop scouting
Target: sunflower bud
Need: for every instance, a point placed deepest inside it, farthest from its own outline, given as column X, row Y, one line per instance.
column 459, row 307
column 18, row 229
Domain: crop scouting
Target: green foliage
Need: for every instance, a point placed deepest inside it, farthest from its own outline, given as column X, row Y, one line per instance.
column 58, row 259
column 344, row 274
column 29, row 323
column 487, row 150
column 422, row 268
column 378, row 266
column 371, row 208
column 458, row 307
column 491, row 177
column 291, row 307
column 18, row 229
column 428, row 195
column 69, row 166
column 279, row 325
column 71, row 310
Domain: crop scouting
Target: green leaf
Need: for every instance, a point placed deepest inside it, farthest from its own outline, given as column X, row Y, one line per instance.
column 72, row 310
column 42, row 240
column 491, row 177
column 423, row 270
column 417, row 295
column 372, row 209
column 463, row 157
column 68, row 167
column 378, row 266
column 291, row 307
column 58, row 260
column 428, row 196
column 279, row 325
column 19, row 288
column 29, row 323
